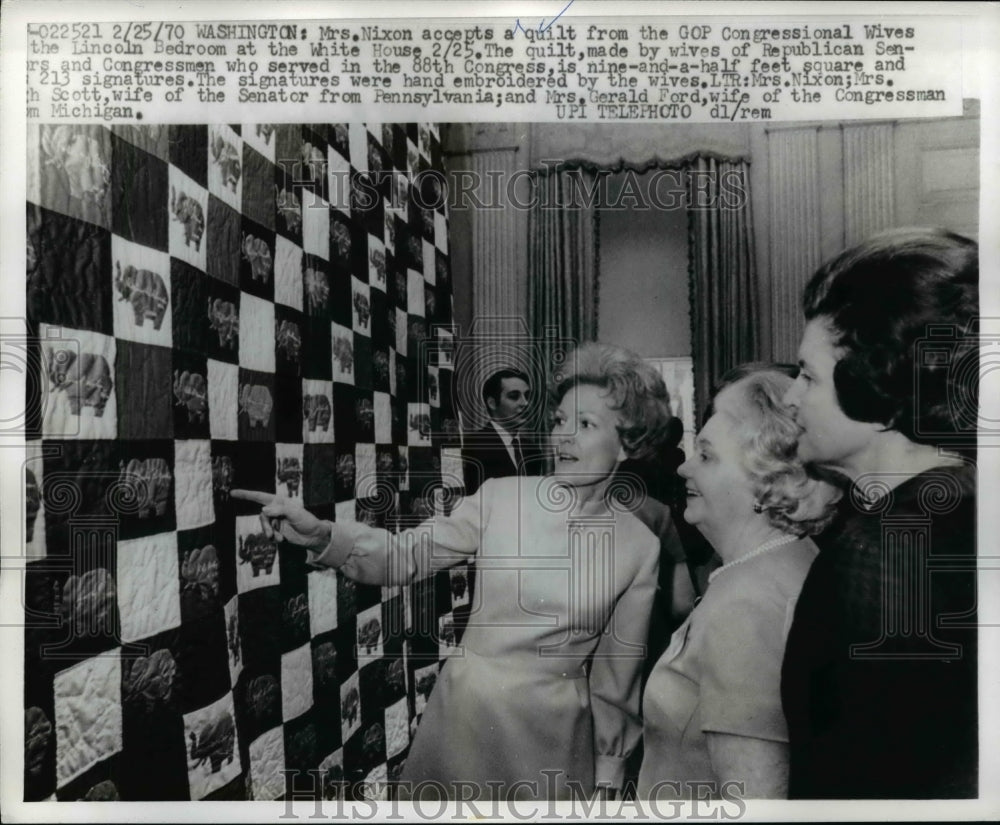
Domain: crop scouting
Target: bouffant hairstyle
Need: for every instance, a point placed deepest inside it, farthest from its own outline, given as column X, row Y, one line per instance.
column 635, row 388
column 900, row 308
column 792, row 500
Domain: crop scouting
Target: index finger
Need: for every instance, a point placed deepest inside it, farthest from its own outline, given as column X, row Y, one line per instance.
column 253, row 495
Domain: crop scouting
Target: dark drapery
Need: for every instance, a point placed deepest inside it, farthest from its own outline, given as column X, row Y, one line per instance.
column 563, row 256
column 722, row 270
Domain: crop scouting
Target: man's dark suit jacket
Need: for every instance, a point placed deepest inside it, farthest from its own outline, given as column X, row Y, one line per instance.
column 485, row 456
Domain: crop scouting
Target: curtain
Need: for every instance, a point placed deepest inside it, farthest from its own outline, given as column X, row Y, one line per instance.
column 722, row 271
column 563, row 256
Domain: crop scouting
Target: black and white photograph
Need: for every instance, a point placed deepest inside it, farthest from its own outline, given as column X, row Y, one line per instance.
column 528, row 410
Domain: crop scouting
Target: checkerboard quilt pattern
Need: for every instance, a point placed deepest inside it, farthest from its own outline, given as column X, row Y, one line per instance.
column 219, row 306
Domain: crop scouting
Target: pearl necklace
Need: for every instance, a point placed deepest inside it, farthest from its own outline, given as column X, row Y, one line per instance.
column 767, row 546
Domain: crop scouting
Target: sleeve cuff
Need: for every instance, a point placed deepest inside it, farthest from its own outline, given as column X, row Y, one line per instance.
column 609, row 771
column 337, row 551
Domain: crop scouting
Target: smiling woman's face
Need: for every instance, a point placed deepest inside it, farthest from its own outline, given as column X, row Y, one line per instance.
column 585, row 440
column 719, row 491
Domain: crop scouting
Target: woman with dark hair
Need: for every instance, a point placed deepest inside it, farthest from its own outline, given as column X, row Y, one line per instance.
column 544, row 698
column 712, row 704
column 879, row 680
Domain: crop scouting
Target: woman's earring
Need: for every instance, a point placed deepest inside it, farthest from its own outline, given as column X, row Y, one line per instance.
column 758, row 507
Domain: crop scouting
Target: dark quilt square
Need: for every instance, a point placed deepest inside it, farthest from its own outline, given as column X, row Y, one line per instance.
column 366, row 748
column 256, row 420
column 343, row 417
column 391, row 280
column 200, row 564
column 190, row 390
column 393, row 635
column 345, row 470
column 319, row 476
column 254, row 465
column 368, row 189
column 314, row 161
column 403, row 260
column 222, row 307
column 139, row 195
column 144, row 379
column 260, row 623
column 301, row 743
column 69, row 280
column 324, row 666
column 326, row 716
column 225, row 241
column 39, row 704
column 425, row 472
column 442, row 275
column 84, row 598
column 381, row 369
column 398, row 278
column 400, row 423
column 364, row 416
column 235, row 791
column 202, row 662
column 430, row 196
column 257, row 699
column 416, row 376
column 341, row 300
column 359, row 247
column 189, row 152
column 362, row 362
column 317, row 353
column 425, row 608
column 382, row 683
column 257, row 260
column 152, row 724
column 316, row 287
column 387, row 465
column 288, row 324
column 257, row 692
column 189, row 288
column 398, row 152
column 345, row 636
column 340, row 140
column 341, row 243
column 288, row 408
column 258, row 188
column 288, row 154
column 147, row 469
column 430, row 304
column 382, row 333
column 288, row 206
column 224, row 462
column 294, row 599
column 79, row 475
column 416, row 336
column 437, row 161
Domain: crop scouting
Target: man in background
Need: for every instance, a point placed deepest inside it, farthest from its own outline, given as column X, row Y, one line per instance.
column 503, row 447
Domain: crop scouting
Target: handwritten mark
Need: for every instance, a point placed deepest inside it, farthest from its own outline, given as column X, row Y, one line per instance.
column 542, row 25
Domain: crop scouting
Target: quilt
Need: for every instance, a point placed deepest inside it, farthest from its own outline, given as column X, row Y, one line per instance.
column 217, row 306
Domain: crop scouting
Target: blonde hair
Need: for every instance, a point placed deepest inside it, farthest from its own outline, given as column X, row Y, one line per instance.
column 792, row 500
column 636, row 389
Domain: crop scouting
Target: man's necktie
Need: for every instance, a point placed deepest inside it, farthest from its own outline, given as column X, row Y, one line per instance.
column 518, row 454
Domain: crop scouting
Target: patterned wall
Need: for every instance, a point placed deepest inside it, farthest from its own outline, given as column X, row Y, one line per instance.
column 222, row 306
